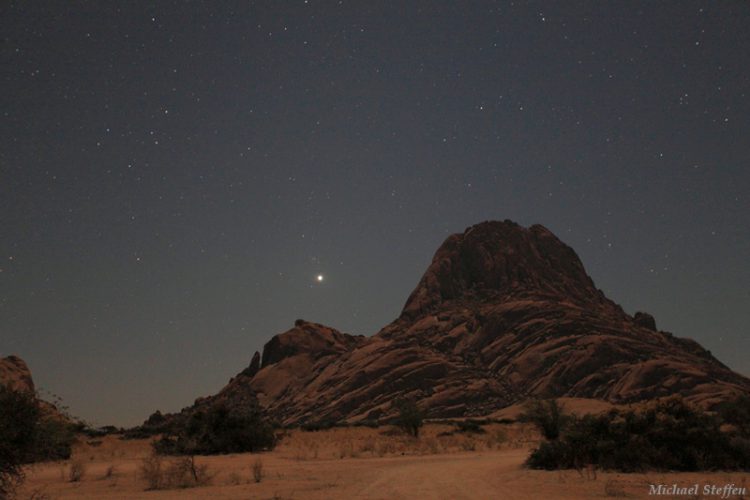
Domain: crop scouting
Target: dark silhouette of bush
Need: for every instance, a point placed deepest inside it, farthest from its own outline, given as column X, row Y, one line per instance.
column 547, row 415
column 371, row 423
column 470, row 427
column 140, row 432
column 218, row 430
column 410, row 417
column 26, row 436
column 665, row 435
column 736, row 412
column 320, row 425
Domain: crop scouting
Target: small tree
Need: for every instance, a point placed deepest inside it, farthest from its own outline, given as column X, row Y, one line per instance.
column 546, row 415
column 26, row 436
column 409, row 417
column 18, row 415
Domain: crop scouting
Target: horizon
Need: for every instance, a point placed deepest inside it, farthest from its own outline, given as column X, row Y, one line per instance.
column 179, row 184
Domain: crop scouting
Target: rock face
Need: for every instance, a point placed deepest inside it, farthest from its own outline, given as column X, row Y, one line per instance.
column 15, row 375
column 503, row 313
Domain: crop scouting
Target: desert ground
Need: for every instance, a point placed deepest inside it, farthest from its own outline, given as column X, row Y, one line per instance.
column 355, row 462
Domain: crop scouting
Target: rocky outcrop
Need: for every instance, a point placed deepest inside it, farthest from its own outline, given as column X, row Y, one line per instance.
column 503, row 313
column 254, row 367
column 15, row 375
column 645, row 320
column 307, row 338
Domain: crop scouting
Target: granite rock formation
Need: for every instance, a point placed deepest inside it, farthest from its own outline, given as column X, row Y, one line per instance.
column 503, row 313
column 15, row 375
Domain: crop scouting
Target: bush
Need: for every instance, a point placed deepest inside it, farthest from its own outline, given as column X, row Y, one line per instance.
column 470, row 427
column 546, row 415
column 320, row 425
column 152, row 471
column 410, row 417
column 258, row 471
column 182, row 472
column 77, row 471
column 26, row 436
column 185, row 473
column 218, row 430
column 666, row 435
column 737, row 413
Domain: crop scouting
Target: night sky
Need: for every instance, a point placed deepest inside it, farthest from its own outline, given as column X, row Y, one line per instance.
column 173, row 179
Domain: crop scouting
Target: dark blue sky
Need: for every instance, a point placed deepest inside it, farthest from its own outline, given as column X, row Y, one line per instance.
column 173, row 178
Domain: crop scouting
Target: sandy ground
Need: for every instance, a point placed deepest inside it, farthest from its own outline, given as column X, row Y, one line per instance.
column 356, row 463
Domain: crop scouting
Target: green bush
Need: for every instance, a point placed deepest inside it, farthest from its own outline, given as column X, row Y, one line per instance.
column 26, row 436
column 218, row 430
column 666, row 435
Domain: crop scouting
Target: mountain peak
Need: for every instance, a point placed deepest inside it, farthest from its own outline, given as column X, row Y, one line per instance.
column 500, row 259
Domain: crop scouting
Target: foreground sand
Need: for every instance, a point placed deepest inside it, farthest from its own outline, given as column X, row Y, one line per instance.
column 356, row 463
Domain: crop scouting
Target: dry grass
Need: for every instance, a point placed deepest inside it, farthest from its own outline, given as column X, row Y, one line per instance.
column 233, row 479
column 152, row 471
column 258, row 470
column 613, row 488
column 433, row 467
column 180, row 472
column 365, row 442
column 38, row 494
column 110, row 472
column 76, row 471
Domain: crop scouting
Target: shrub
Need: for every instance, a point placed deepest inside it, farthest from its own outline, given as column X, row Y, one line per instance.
column 470, row 427
column 182, row 472
column 185, row 473
column 258, row 470
column 77, row 471
column 737, row 413
column 320, row 425
column 110, row 472
column 26, row 436
column 54, row 439
column 410, row 417
column 152, row 471
column 666, row 435
column 218, row 430
column 546, row 415
column 138, row 432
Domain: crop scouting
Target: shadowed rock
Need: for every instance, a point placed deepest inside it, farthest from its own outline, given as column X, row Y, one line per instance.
column 645, row 320
column 251, row 370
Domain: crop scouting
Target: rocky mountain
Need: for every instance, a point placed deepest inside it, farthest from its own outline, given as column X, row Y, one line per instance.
column 503, row 313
